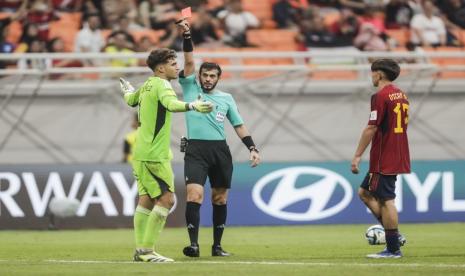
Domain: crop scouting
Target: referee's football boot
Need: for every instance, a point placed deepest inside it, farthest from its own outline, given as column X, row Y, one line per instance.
column 150, row 256
column 217, row 251
column 192, row 250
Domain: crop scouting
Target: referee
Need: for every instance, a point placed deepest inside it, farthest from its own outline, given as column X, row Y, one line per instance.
column 207, row 153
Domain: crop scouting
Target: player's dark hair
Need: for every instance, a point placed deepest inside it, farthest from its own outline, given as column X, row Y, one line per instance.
column 389, row 67
column 159, row 56
column 210, row 66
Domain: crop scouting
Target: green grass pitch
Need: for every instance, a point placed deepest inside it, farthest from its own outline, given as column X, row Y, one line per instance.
column 432, row 249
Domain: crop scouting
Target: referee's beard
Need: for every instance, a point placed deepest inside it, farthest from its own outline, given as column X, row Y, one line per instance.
column 208, row 88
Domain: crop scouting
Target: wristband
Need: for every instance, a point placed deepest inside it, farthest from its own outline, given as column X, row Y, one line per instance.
column 248, row 142
column 187, row 45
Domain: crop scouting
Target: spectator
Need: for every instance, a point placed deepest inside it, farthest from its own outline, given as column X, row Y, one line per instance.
column 427, row 29
column 57, row 45
column 130, row 41
column 346, row 27
column 89, row 38
column 92, row 7
column 6, row 47
column 67, row 5
column 398, row 14
column 416, row 6
column 114, row 10
column 360, row 6
column 120, row 44
column 130, row 140
column 145, row 44
column 36, row 46
column 215, row 7
column 203, row 29
column 369, row 39
column 236, row 22
column 30, row 33
column 171, row 39
column 41, row 14
column 127, row 25
column 454, row 11
column 370, row 17
column 326, row 3
column 284, row 14
column 157, row 15
column 314, row 33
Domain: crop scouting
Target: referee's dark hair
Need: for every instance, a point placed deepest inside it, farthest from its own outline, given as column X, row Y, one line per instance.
column 159, row 56
column 389, row 67
column 210, row 66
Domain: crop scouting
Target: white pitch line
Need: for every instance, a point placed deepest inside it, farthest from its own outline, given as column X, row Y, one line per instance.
column 271, row 263
column 430, row 265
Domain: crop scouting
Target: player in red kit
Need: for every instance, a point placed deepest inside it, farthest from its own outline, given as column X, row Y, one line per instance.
column 389, row 154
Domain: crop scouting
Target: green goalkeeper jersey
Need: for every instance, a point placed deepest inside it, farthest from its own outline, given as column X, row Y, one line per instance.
column 156, row 100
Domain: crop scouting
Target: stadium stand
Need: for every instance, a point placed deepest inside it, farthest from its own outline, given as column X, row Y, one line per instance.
column 275, row 63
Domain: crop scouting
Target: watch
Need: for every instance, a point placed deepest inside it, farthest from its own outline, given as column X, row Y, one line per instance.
column 254, row 149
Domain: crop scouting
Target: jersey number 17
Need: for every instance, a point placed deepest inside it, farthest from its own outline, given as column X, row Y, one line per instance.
column 401, row 110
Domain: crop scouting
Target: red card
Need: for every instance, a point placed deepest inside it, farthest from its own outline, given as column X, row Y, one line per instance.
column 186, row 13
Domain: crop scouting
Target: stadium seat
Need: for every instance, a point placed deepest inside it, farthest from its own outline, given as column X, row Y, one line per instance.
column 402, row 36
column 66, row 28
column 333, row 75
column 272, row 38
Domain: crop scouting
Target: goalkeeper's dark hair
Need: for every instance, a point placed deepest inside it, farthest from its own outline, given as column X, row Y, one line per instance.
column 210, row 66
column 159, row 56
column 389, row 67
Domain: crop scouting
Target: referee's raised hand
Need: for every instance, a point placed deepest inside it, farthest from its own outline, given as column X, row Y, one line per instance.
column 184, row 25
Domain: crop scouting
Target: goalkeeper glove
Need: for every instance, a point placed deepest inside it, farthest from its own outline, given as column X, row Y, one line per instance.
column 201, row 106
column 126, row 86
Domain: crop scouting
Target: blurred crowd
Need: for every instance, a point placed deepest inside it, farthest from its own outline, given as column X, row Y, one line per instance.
column 363, row 23
column 218, row 23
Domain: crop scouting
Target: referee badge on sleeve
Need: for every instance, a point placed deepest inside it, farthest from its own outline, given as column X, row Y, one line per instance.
column 373, row 115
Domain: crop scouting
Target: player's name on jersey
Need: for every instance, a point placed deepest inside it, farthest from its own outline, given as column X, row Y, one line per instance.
column 397, row 96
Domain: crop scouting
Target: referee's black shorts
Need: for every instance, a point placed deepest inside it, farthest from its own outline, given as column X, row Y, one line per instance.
column 208, row 158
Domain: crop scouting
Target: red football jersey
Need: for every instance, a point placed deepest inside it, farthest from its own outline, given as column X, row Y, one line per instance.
column 389, row 152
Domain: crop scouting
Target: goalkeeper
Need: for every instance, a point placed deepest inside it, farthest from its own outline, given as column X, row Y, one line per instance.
column 155, row 100
column 207, row 154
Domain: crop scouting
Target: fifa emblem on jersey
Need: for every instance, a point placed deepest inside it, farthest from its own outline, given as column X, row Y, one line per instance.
column 220, row 116
column 373, row 115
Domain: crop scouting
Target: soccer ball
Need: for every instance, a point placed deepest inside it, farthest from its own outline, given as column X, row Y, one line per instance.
column 375, row 235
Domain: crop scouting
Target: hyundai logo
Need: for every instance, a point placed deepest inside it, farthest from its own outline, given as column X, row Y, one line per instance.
column 286, row 193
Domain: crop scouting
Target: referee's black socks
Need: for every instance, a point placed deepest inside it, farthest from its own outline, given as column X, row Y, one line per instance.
column 193, row 221
column 219, row 220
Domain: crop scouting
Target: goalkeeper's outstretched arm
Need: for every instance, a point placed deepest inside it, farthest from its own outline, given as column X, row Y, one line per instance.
column 188, row 48
column 169, row 100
